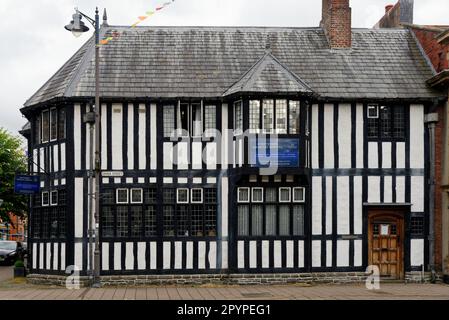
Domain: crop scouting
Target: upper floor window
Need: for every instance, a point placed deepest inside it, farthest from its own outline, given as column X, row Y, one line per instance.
column 189, row 119
column 50, row 126
column 238, row 117
column 274, row 116
column 386, row 122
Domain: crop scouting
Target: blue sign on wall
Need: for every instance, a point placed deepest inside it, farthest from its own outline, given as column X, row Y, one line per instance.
column 283, row 153
column 24, row 184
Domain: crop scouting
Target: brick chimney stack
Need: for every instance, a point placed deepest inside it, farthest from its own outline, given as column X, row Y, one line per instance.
column 336, row 23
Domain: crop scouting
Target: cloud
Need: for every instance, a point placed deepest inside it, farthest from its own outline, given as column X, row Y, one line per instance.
column 35, row 44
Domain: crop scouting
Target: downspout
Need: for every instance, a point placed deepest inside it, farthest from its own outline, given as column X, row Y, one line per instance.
column 431, row 119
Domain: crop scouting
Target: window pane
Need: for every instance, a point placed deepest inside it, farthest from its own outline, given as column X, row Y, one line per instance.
column 238, row 117
column 243, row 221
column 183, row 119
column 197, row 120
column 45, row 126
column 54, row 198
column 107, row 222
column 385, row 122
column 257, row 194
column 197, row 221
column 197, row 195
column 37, row 130
column 136, row 222
column 150, row 195
column 399, row 122
column 169, row 223
column 298, row 194
column 183, row 221
column 270, row 220
column 243, row 195
column 169, row 195
column 136, row 196
column 294, row 117
column 54, row 223
column 122, row 222
column 36, row 218
column 45, row 218
column 372, row 128
column 150, row 221
column 254, row 115
column 417, row 226
column 62, row 222
column 284, row 220
column 210, row 118
column 210, row 220
column 271, row 195
column 45, row 199
column 169, row 120
column 107, row 196
column 298, row 220
column 62, row 197
column 210, row 195
column 281, row 116
column 122, row 195
column 268, row 116
column 256, row 220
column 284, row 194
column 53, row 124
column 61, row 124
column 183, row 196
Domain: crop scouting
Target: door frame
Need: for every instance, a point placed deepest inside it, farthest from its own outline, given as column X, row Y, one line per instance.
column 388, row 214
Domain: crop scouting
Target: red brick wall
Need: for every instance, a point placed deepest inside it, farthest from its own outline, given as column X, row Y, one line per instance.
column 435, row 51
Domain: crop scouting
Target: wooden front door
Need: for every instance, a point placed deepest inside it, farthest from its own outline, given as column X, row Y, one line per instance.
column 385, row 242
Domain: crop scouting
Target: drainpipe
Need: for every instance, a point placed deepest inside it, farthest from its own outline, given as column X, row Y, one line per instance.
column 431, row 119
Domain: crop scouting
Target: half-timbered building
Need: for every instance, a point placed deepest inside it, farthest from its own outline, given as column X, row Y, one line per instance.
column 182, row 189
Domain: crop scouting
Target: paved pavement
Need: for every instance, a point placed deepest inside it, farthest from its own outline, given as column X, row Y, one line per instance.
column 13, row 291
column 6, row 273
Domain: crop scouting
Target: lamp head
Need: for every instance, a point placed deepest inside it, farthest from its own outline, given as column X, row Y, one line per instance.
column 76, row 26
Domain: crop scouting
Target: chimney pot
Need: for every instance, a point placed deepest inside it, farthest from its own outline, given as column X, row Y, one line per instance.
column 388, row 8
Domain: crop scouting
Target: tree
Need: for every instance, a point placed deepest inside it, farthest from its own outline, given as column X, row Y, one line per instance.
column 12, row 161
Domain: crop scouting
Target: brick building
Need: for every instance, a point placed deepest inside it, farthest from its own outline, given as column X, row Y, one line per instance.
column 433, row 41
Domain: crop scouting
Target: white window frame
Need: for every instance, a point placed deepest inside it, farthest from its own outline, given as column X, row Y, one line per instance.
column 117, row 198
column 131, row 195
column 238, row 195
column 49, row 127
column 51, row 198
column 48, row 197
column 289, row 193
column 191, row 195
column 252, row 195
column 177, row 195
column 303, row 190
column 377, row 111
column 192, row 121
column 272, row 130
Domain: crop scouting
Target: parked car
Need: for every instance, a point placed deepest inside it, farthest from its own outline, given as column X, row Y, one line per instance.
column 8, row 252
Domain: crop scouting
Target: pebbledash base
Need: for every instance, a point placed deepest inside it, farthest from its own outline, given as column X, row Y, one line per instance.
column 227, row 279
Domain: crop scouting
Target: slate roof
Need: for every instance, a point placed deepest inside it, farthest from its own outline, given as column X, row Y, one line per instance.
column 203, row 62
column 268, row 74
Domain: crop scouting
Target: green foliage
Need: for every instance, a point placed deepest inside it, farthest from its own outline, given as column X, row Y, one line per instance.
column 19, row 264
column 12, row 161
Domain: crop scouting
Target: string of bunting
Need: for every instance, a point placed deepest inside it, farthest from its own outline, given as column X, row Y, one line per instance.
column 148, row 14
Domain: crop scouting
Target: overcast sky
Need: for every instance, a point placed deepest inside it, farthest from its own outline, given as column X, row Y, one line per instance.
column 34, row 44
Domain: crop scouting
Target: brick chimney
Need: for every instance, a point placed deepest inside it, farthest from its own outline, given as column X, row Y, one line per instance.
column 336, row 23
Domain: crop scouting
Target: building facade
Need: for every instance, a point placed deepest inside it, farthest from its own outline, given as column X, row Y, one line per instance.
column 238, row 150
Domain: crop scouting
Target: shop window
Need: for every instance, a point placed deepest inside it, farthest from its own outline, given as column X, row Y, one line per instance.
column 284, row 220
column 136, row 221
column 107, row 222
column 150, row 222
column 243, row 221
column 257, row 220
column 183, row 221
column 298, row 220
column 169, row 221
column 122, row 222
column 271, row 220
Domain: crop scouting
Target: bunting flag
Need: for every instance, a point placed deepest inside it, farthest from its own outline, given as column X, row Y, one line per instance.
column 149, row 13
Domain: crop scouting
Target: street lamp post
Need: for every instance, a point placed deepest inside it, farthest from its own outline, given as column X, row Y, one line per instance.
column 77, row 27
